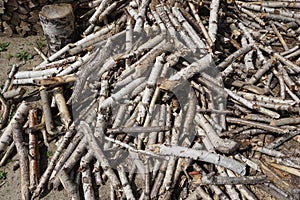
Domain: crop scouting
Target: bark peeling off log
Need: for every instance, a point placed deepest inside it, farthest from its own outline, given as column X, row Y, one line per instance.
column 58, row 24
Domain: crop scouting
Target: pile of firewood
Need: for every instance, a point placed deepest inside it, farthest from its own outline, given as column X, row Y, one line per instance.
column 162, row 100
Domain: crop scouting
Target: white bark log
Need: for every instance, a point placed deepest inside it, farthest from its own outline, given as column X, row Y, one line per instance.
column 58, row 24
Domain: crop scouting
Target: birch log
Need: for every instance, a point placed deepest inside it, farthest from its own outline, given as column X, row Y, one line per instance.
column 58, row 25
column 22, row 150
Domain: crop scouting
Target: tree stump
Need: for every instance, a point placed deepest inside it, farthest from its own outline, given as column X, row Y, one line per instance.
column 58, row 25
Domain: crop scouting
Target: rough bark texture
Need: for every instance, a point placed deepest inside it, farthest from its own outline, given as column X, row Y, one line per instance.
column 58, row 24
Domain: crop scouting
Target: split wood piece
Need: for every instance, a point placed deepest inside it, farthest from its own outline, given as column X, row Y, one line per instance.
column 5, row 109
column 186, row 73
column 132, row 149
column 279, row 4
column 137, row 129
column 231, row 133
column 149, row 44
column 182, row 31
column 285, row 121
column 38, row 74
column 278, row 34
column 98, row 11
column 55, row 80
column 66, row 48
column 19, row 117
column 46, row 175
column 109, row 9
column 101, row 118
column 245, row 180
column 293, row 54
column 245, row 192
column 114, row 98
column 281, row 83
column 188, row 123
column 219, row 193
column 20, row 91
column 200, row 23
column 40, row 53
column 33, row 151
column 261, row 71
column 229, row 60
column 47, row 110
column 11, row 74
column 290, row 51
column 201, row 155
column 35, row 128
column 279, row 141
column 249, row 64
column 2, row 8
column 86, row 176
column 58, row 24
column 270, row 152
column 57, row 64
column 161, row 24
column 293, row 162
column 7, row 154
column 129, row 37
column 213, row 19
column 119, row 117
column 146, row 192
column 252, row 15
column 96, row 39
column 287, row 62
column 257, row 117
column 67, row 167
column 69, row 186
column 62, row 106
column 150, row 88
column 191, row 31
column 141, row 18
column 226, row 146
column 261, row 58
column 170, row 174
column 98, row 175
column 257, row 125
column 165, row 20
column 260, row 8
column 249, row 162
column 100, row 156
column 125, row 184
column 138, row 68
column 273, row 191
column 293, row 95
column 251, row 105
column 97, row 59
column 216, row 189
column 264, row 98
column 279, row 76
column 277, row 107
column 66, row 154
column 252, row 88
column 159, row 179
column 287, row 79
column 22, row 149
